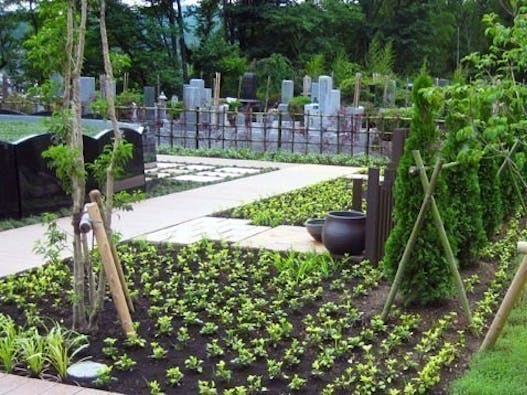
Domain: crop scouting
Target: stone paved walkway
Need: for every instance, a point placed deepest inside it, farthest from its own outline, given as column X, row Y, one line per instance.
column 18, row 385
column 238, row 231
column 152, row 215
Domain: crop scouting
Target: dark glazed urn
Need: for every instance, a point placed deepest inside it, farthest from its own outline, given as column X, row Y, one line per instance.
column 344, row 232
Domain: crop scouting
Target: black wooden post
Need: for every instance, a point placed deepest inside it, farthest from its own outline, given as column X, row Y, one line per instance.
column 372, row 219
column 356, row 198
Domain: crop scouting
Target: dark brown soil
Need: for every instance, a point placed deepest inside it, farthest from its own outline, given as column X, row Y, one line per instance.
column 148, row 369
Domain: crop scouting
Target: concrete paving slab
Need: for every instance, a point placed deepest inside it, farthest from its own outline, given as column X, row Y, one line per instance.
column 165, row 165
column 212, row 228
column 197, row 167
column 222, row 161
column 34, row 386
column 238, row 170
column 163, row 175
column 215, row 174
column 284, row 238
column 195, row 178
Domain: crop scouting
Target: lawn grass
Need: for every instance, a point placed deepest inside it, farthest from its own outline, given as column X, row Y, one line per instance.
column 501, row 370
column 11, row 131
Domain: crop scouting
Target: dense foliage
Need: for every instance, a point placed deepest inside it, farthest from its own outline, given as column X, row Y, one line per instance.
column 294, row 208
column 169, row 42
column 427, row 276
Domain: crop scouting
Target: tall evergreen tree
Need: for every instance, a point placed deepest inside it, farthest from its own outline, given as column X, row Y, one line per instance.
column 427, row 277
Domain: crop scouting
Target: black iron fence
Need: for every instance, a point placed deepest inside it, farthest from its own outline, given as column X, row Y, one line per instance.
column 345, row 132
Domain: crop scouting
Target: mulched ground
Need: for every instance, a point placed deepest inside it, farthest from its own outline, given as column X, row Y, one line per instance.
column 134, row 382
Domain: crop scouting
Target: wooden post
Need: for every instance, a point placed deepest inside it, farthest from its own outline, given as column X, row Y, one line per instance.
column 412, row 239
column 95, row 196
column 356, row 197
column 444, row 239
column 109, row 267
column 372, row 199
column 511, row 297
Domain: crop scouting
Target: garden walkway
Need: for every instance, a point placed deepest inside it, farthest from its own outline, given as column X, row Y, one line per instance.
column 156, row 214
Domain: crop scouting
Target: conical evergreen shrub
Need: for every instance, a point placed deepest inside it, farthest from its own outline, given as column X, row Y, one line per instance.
column 427, row 277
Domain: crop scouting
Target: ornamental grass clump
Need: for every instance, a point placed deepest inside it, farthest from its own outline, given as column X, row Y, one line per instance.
column 427, row 277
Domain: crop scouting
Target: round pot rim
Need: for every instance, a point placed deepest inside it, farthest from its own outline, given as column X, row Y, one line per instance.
column 350, row 214
column 314, row 221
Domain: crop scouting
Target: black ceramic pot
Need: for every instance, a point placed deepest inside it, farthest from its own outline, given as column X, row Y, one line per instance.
column 314, row 227
column 344, row 232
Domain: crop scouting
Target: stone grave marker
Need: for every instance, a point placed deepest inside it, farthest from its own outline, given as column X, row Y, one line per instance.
column 288, row 88
column 248, row 91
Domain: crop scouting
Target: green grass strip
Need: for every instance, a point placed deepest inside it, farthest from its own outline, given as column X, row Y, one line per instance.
column 501, row 370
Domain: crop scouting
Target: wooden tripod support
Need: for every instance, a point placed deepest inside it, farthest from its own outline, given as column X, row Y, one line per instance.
column 428, row 201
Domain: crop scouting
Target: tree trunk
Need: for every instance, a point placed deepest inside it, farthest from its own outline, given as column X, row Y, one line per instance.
column 110, row 172
column 78, row 181
column 183, row 47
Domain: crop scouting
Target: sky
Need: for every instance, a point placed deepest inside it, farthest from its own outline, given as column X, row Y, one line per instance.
column 142, row 2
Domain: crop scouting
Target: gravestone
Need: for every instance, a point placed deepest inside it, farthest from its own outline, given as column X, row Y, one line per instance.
column 39, row 188
column 312, row 116
column 191, row 99
column 199, row 84
column 306, row 86
column 325, row 85
column 87, row 93
column 248, row 91
column 162, row 105
column 334, row 101
column 288, row 91
column 9, row 193
column 206, row 98
column 103, row 88
column 133, row 176
column 315, row 95
column 149, row 94
column 5, row 86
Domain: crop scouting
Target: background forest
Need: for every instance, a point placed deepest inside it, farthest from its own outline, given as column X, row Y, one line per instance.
column 163, row 43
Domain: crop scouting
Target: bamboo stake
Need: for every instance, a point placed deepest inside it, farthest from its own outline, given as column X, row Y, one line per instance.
column 415, row 169
column 508, row 157
column 511, row 297
column 444, row 240
column 95, row 196
column 411, row 240
column 109, row 267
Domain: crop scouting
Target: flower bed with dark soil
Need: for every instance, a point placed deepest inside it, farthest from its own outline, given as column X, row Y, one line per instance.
column 214, row 318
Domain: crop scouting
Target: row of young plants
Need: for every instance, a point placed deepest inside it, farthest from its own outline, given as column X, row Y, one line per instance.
column 295, row 207
column 278, row 156
column 212, row 318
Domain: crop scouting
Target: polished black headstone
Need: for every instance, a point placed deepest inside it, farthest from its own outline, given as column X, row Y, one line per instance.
column 133, row 176
column 40, row 190
column 9, row 192
column 149, row 96
column 248, row 91
column 91, row 151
